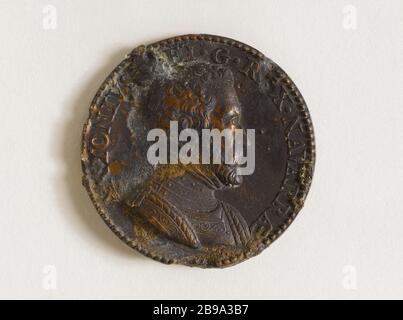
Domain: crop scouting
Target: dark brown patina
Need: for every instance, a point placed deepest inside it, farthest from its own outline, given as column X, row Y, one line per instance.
column 197, row 214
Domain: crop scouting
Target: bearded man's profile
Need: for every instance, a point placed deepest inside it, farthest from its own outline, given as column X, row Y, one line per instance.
column 179, row 200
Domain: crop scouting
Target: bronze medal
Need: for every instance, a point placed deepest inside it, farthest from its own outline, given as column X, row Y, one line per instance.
column 197, row 214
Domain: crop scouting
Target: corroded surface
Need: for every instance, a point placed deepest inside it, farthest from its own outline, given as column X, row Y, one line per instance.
column 197, row 215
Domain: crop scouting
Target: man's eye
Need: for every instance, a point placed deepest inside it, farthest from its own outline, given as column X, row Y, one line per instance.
column 235, row 121
column 230, row 121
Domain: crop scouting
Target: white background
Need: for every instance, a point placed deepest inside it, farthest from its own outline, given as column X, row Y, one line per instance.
column 346, row 243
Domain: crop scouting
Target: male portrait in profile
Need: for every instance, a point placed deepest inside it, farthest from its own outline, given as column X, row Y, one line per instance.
column 178, row 200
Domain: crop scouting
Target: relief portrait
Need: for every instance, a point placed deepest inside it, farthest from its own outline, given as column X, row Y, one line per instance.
column 196, row 205
column 178, row 200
